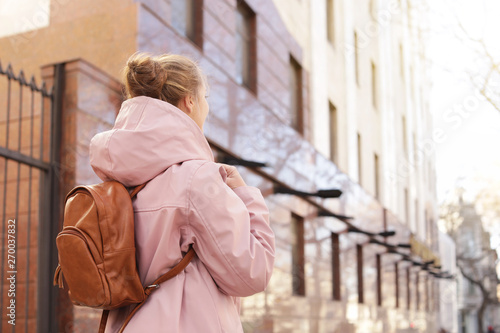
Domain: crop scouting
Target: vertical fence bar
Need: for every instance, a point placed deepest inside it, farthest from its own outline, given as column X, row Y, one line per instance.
column 47, row 255
column 4, row 215
column 19, row 128
column 7, row 125
column 42, row 112
column 42, row 181
column 43, row 215
column 7, row 120
column 28, row 233
column 18, row 183
column 16, row 218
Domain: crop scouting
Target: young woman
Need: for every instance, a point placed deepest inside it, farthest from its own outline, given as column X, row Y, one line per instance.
column 188, row 200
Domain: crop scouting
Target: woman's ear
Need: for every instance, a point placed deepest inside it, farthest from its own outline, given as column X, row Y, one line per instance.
column 187, row 105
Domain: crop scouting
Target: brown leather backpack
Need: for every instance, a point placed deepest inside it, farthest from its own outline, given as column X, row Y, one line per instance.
column 96, row 250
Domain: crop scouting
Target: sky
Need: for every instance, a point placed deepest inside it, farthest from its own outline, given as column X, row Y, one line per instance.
column 22, row 16
column 471, row 125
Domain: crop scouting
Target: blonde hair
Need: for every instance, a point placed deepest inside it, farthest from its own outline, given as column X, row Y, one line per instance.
column 168, row 77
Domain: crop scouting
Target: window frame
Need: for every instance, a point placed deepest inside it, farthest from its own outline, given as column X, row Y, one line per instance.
column 356, row 57
column 336, row 276
column 296, row 95
column 333, row 132
column 246, row 40
column 376, row 169
column 374, row 74
column 359, row 256
column 330, row 21
column 191, row 26
column 378, row 263
column 298, row 256
column 360, row 159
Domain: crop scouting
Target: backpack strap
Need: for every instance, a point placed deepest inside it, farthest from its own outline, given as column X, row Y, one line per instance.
column 150, row 289
column 104, row 320
column 137, row 189
column 155, row 285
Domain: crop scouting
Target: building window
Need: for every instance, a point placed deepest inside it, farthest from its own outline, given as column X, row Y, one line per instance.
column 359, row 253
column 330, row 21
column 360, row 169
column 432, row 228
column 412, row 83
column 401, row 62
column 356, row 57
column 464, row 313
column 425, row 226
column 431, row 296
column 417, row 291
column 374, row 85
column 417, row 217
column 246, row 47
column 414, row 137
column 429, row 233
column 429, row 175
column 296, row 95
column 298, row 256
column 376, row 175
column 336, row 267
column 408, row 288
column 407, row 207
column 471, row 290
column 187, row 19
column 379, row 279
column 333, row 133
column 405, row 139
column 427, row 294
column 373, row 9
column 396, row 280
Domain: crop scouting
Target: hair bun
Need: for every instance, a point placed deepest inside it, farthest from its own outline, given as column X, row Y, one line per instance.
column 146, row 75
column 160, row 72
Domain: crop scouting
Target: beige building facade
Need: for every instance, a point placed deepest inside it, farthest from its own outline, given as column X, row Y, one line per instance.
column 370, row 115
column 369, row 82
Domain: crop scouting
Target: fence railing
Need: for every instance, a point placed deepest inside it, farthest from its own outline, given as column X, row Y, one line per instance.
column 28, row 211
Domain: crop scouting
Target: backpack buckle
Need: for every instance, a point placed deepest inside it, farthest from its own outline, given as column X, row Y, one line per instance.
column 153, row 286
column 149, row 289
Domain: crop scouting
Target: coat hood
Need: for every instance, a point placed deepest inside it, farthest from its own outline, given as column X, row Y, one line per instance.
column 149, row 136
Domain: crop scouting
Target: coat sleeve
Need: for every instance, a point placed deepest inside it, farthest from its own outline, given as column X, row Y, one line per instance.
column 231, row 231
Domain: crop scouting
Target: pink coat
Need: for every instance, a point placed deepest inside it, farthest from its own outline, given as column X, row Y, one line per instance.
column 186, row 202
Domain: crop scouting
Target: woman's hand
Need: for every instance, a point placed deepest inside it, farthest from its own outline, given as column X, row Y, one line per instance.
column 233, row 179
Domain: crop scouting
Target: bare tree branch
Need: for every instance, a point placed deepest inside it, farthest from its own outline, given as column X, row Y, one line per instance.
column 475, row 262
column 482, row 50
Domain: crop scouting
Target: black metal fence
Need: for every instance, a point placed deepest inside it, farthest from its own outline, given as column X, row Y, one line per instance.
column 29, row 141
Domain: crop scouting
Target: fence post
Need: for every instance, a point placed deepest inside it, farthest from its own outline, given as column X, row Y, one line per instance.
column 50, row 205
